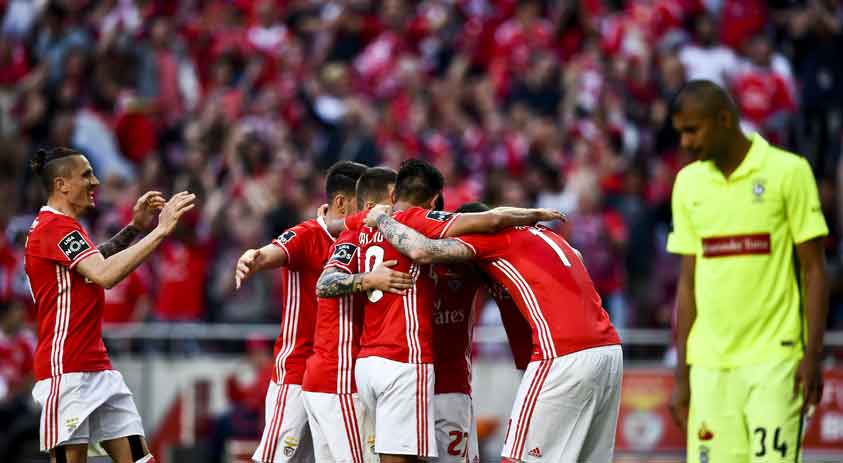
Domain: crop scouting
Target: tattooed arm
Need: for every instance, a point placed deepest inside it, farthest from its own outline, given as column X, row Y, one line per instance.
column 419, row 247
column 499, row 218
column 120, row 241
column 143, row 213
column 334, row 282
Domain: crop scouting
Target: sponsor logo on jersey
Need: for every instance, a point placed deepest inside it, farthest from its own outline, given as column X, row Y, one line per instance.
column 536, row 452
column 343, row 253
column 286, row 236
column 73, row 244
column 722, row 246
column 447, row 317
column 704, row 433
column 439, row 216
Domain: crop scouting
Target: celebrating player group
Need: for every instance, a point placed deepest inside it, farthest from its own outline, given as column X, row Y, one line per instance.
column 373, row 358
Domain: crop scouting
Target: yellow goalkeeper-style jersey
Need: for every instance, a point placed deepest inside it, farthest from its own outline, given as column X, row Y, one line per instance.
column 742, row 231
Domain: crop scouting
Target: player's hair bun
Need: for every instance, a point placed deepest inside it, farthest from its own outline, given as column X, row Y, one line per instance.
column 37, row 163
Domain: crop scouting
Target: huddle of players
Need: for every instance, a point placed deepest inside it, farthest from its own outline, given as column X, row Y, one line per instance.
column 370, row 327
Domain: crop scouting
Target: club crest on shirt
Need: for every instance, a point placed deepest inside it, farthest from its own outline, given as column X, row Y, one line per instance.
column 343, row 253
column 73, row 244
column 286, row 236
column 758, row 189
column 439, row 216
column 704, row 433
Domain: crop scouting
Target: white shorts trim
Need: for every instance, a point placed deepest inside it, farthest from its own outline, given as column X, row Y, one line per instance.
column 83, row 407
column 338, row 426
column 566, row 408
column 456, row 429
column 399, row 398
column 286, row 435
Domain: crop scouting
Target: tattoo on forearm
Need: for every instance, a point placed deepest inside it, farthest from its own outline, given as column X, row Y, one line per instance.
column 405, row 240
column 335, row 283
column 119, row 242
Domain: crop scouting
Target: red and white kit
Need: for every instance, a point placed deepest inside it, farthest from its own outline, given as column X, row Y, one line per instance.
column 454, row 313
column 286, row 435
column 82, row 398
column 567, row 405
column 394, row 370
column 335, row 413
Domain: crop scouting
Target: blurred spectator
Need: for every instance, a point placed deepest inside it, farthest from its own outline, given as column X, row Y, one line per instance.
column 18, row 418
column 558, row 104
column 705, row 58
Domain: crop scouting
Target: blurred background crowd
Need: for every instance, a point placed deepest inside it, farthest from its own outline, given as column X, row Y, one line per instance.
column 556, row 103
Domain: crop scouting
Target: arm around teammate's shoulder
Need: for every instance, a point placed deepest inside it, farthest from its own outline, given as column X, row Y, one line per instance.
column 499, row 218
column 107, row 272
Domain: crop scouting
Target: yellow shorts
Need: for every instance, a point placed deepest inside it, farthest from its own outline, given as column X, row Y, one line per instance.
column 745, row 414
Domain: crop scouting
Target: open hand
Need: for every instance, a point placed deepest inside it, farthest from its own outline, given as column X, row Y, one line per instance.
column 549, row 215
column 385, row 279
column 174, row 209
column 145, row 208
column 375, row 212
column 246, row 265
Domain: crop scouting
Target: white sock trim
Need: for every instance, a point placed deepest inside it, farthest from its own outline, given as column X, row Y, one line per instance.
column 145, row 459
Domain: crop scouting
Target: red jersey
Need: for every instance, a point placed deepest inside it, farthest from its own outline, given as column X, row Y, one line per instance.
column 399, row 327
column 454, row 312
column 307, row 246
column 339, row 322
column 518, row 330
column 550, row 286
column 66, row 302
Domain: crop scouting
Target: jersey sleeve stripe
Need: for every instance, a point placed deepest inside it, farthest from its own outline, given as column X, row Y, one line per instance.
column 473, row 249
column 340, row 266
column 283, row 248
column 83, row 256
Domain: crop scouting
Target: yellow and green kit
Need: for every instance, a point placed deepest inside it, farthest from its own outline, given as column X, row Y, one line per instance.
column 747, row 338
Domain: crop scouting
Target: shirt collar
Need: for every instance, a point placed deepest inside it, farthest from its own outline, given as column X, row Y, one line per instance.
column 751, row 162
column 51, row 209
column 324, row 226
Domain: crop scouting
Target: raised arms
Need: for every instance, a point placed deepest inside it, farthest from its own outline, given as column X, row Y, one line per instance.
column 107, row 272
column 142, row 215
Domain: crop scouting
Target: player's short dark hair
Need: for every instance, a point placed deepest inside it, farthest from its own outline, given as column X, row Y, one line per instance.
column 418, row 182
column 342, row 178
column 709, row 96
column 474, row 206
column 51, row 163
column 373, row 185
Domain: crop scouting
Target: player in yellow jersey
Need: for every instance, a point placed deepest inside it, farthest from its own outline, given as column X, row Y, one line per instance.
column 750, row 322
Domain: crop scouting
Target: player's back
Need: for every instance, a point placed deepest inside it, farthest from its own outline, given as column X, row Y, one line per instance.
column 307, row 246
column 551, row 287
column 399, row 327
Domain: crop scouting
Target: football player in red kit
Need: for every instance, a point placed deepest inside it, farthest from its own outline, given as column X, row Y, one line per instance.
column 82, row 398
column 566, row 408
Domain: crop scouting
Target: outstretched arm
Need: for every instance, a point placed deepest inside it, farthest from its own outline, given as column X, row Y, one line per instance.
column 107, row 272
column 334, row 282
column 498, row 219
column 419, row 247
column 142, row 215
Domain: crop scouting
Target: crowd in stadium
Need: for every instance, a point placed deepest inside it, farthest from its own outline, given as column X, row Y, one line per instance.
column 560, row 104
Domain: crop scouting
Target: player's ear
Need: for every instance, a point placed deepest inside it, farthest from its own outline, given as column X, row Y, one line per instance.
column 392, row 197
column 339, row 202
